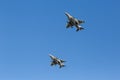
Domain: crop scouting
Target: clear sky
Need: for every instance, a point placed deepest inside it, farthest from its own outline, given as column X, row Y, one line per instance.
column 32, row 29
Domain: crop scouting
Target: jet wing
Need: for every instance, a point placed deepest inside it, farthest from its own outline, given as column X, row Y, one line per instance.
column 69, row 24
column 53, row 64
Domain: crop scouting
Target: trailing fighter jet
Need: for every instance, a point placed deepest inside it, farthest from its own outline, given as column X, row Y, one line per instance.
column 73, row 22
column 56, row 61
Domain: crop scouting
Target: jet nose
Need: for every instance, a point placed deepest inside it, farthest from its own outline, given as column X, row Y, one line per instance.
column 50, row 55
column 66, row 13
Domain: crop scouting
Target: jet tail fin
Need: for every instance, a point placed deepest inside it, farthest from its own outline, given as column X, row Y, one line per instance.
column 80, row 28
column 62, row 66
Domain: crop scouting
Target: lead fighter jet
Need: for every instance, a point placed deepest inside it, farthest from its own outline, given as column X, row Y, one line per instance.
column 56, row 61
column 73, row 22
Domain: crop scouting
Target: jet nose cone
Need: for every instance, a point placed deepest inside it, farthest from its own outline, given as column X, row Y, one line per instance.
column 66, row 13
column 50, row 55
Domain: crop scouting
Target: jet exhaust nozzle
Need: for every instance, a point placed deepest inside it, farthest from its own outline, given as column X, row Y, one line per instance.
column 62, row 66
column 81, row 28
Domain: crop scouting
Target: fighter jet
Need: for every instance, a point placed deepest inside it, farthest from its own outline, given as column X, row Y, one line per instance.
column 56, row 61
column 74, row 22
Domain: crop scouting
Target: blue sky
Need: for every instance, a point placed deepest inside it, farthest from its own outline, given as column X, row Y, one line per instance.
column 31, row 29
